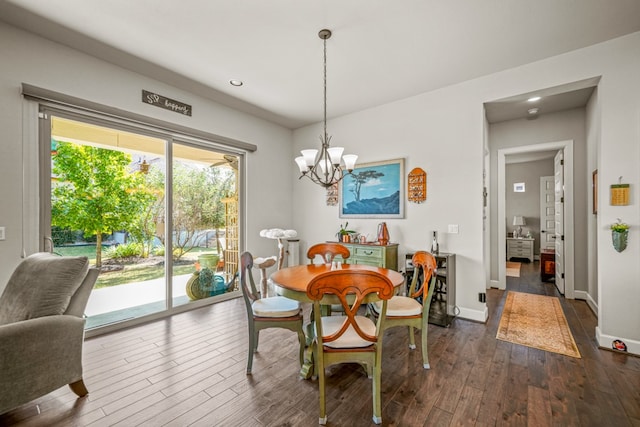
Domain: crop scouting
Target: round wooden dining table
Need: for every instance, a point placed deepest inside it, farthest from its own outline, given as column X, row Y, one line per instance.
column 292, row 282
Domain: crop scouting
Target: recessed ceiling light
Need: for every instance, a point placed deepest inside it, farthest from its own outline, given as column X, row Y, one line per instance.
column 533, row 99
column 236, row 82
column 533, row 111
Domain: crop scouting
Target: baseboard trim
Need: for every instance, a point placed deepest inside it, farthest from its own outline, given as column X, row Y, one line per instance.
column 606, row 342
column 586, row 296
column 475, row 315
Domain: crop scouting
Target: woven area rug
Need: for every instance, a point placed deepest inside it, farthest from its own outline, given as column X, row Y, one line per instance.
column 513, row 269
column 536, row 321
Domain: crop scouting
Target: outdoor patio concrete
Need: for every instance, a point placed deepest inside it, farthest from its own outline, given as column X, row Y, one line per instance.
column 113, row 298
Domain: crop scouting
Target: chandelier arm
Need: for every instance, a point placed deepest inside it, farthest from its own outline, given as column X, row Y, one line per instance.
column 316, row 179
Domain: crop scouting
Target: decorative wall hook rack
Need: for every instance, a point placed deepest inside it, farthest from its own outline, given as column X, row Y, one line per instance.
column 417, row 182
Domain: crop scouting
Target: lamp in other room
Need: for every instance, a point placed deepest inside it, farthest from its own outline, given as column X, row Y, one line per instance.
column 518, row 220
column 324, row 168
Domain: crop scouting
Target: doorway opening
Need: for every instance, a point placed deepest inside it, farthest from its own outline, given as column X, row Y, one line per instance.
column 568, row 207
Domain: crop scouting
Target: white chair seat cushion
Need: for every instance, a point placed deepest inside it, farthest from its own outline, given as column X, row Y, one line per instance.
column 350, row 338
column 275, row 307
column 400, row 306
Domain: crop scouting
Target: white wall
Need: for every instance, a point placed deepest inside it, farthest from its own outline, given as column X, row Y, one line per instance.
column 425, row 130
column 593, row 116
column 618, row 155
column 442, row 132
column 52, row 66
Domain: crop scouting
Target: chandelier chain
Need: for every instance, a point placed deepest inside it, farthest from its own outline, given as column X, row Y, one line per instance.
column 323, row 167
column 325, row 92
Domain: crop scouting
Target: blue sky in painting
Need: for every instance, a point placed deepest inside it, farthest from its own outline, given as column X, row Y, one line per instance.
column 375, row 188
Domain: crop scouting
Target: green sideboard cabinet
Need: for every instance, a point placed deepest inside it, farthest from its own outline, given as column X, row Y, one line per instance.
column 372, row 254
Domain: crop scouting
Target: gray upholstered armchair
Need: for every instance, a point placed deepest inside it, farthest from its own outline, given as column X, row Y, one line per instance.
column 42, row 327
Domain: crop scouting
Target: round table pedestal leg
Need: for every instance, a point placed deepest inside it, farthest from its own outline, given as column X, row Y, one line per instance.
column 306, row 371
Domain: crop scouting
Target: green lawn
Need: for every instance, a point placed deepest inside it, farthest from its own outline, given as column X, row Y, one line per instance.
column 85, row 250
column 130, row 273
column 138, row 274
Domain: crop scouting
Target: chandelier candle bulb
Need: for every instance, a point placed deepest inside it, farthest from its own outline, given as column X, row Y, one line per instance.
column 324, row 165
column 350, row 161
column 335, row 153
column 309, row 156
column 302, row 164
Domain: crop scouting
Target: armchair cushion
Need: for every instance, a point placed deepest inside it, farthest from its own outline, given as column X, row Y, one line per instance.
column 42, row 285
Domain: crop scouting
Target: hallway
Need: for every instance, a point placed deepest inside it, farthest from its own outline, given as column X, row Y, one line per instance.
column 530, row 282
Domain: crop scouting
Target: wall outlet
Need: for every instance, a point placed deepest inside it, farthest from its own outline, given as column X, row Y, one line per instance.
column 453, row 228
column 1, row 233
column 482, row 297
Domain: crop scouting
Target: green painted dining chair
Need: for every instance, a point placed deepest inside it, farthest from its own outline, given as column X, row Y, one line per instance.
column 268, row 312
column 351, row 338
column 413, row 310
column 328, row 252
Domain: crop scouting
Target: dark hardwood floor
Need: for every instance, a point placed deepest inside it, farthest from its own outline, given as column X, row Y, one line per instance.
column 189, row 370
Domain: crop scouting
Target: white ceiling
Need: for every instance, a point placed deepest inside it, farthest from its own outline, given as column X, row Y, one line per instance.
column 380, row 51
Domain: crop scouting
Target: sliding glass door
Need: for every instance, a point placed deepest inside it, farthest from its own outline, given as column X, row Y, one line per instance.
column 149, row 211
column 201, row 182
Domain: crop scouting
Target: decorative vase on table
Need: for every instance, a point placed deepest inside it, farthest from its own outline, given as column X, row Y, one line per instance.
column 383, row 233
column 619, row 239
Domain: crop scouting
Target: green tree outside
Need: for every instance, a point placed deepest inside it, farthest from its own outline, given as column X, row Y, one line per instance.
column 150, row 221
column 95, row 192
column 197, row 203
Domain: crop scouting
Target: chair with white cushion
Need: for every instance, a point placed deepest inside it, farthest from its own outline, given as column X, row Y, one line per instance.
column 351, row 338
column 271, row 312
column 328, row 252
column 413, row 310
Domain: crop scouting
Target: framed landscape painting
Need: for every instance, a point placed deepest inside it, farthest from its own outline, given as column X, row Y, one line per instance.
column 373, row 190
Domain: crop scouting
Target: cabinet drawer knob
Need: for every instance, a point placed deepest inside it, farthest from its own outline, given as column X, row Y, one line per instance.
column 368, row 252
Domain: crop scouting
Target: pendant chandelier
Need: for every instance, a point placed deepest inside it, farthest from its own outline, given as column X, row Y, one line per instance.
column 324, row 168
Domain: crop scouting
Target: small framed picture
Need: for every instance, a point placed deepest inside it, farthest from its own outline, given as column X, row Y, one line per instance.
column 518, row 187
column 332, row 195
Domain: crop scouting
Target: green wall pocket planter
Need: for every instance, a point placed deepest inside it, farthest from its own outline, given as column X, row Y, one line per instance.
column 619, row 239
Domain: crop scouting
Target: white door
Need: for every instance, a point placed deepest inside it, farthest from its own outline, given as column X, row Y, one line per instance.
column 547, row 212
column 558, row 169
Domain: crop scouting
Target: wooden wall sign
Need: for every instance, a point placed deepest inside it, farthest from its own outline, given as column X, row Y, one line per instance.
column 166, row 103
column 417, row 183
